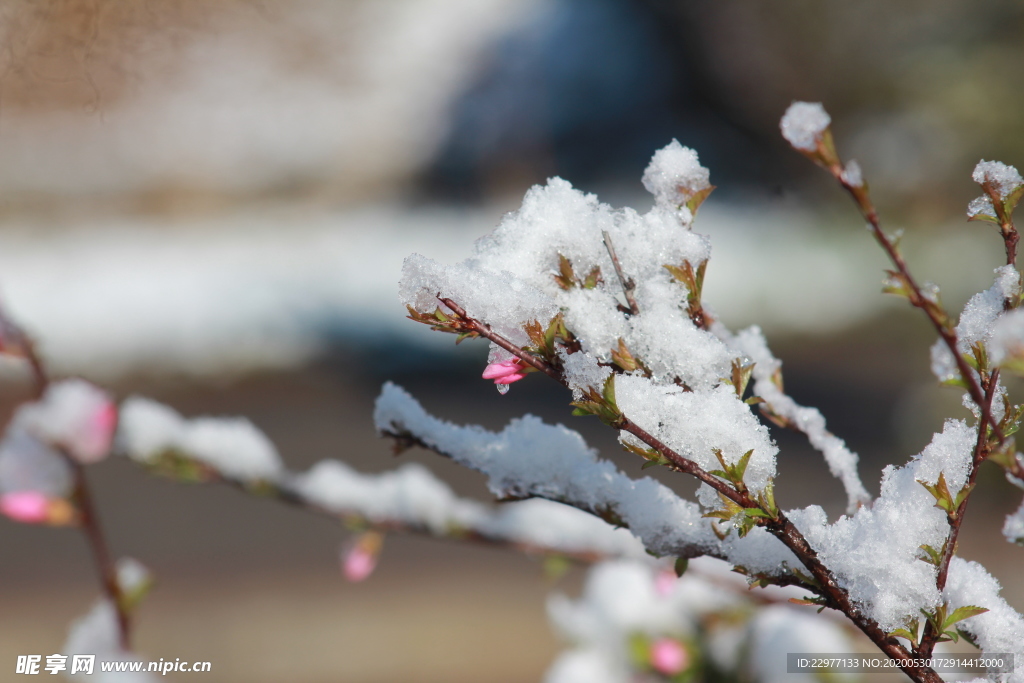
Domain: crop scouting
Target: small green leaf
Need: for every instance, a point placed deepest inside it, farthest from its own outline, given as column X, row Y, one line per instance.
column 681, row 565
column 741, row 466
column 961, row 613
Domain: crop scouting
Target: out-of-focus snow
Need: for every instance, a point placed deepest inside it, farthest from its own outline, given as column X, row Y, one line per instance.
column 268, row 289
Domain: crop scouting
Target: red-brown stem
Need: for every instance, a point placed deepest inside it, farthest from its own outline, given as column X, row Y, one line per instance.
column 105, row 567
column 289, row 496
column 1006, row 226
column 981, row 452
column 89, row 521
column 780, row 527
column 918, row 298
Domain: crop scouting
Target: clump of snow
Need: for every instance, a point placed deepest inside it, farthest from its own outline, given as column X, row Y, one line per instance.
column 852, row 174
column 842, row 462
column 1002, row 178
column 674, row 175
column 510, row 278
column 803, row 123
column 977, row 321
column 232, row 446
column 96, row 633
column 874, row 553
column 981, row 206
column 1001, row 629
column 1007, row 338
column 695, row 423
column 409, row 494
column 73, row 415
column 1013, row 527
column 778, row 630
column 582, row 371
column 132, row 575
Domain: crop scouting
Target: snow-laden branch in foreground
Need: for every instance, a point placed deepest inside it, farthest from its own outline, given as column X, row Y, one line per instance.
column 409, row 498
column 532, row 459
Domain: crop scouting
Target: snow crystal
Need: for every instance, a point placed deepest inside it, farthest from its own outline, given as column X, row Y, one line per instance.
column 1001, row 629
column 1002, row 178
column 582, row 371
column 842, row 462
column 232, row 446
column 674, row 175
column 803, row 123
column 981, row 206
column 1013, row 527
column 874, row 553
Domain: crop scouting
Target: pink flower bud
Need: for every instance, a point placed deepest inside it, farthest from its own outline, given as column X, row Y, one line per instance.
column 28, row 507
column 505, row 372
column 669, row 656
column 665, row 582
column 360, row 559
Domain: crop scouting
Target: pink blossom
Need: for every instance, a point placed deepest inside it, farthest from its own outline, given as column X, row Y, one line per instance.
column 29, row 507
column 669, row 656
column 360, row 559
column 92, row 442
column 505, row 372
column 665, row 582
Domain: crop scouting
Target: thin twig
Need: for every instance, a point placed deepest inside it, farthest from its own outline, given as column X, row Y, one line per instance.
column 628, row 285
column 105, row 567
column 917, row 297
column 90, row 524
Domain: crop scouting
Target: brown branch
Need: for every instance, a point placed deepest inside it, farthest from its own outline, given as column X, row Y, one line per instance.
column 780, row 526
column 105, row 567
column 353, row 518
column 1006, row 226
column 90, row 524
column 938, row 317
column 628, row 285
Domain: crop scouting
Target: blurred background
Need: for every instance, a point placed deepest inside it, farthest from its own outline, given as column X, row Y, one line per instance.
column 209, row 204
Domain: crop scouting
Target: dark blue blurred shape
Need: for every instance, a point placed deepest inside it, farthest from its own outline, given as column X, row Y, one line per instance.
column 586, row 89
